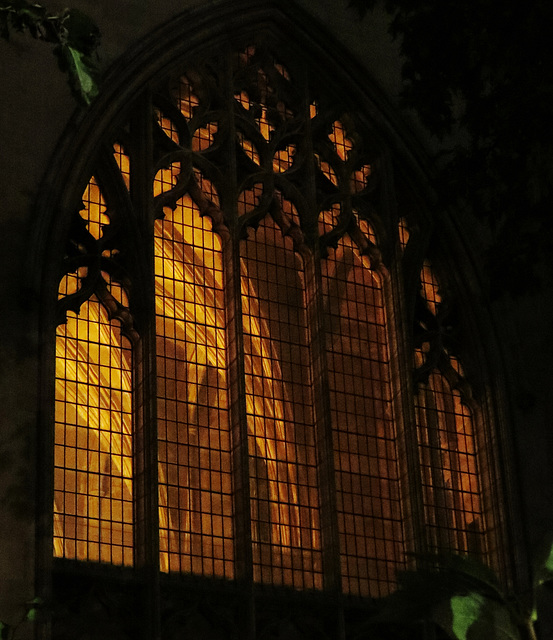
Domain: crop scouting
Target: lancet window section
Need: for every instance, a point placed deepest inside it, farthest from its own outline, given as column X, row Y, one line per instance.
column 448, row 445
column 93, row 456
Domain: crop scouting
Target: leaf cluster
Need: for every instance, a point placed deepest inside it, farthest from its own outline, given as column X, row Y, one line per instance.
column 460, row 597
column 482, row 68
column 75, row 36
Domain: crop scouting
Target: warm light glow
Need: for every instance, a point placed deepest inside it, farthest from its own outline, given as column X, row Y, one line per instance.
column 249, row 199
column 283, row 471
column 187, row 100
column 328, row 219
column 284, row 158
column 204, row 137
column 403, row 231
column 123, row 163
column 360, row 178
column 271, row 393
column 196, row 530
column 369, row 509
column 248, row 147
column 451, row 491
column 94, row 212
column 93, row 509
column 327, row 170
column 430, row 287
column 341, row 142
column 447, row 450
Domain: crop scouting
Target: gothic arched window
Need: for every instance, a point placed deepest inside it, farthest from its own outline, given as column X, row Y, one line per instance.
column 236, row 370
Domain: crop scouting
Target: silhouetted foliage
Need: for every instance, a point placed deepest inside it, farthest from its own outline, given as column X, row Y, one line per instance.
column 75, row 35
column 482, row 70
column 457, row 597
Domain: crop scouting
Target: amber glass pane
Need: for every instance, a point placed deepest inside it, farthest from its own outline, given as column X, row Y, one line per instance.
column 403, row 232
column 123, row 163
column 196, row 532
column 342, row 144
column 94, row 212
column 93, row 510
column 451, row 491
column 283, row 474
column 365, row 457
column 430, row 287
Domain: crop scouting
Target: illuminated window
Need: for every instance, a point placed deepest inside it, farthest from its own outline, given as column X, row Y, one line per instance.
column 451, row 482
column 231, row 349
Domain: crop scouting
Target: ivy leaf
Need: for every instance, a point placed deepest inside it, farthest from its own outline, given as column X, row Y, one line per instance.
column 33, row 607
column 82, row 72
column 31, row 615
column 76, row 35
column 549, row 563
column 466, row 611
column 473, row 615
column 543, row 563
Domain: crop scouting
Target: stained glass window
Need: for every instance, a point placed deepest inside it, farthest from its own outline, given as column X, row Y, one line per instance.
column 447, row 447
column 227, row 363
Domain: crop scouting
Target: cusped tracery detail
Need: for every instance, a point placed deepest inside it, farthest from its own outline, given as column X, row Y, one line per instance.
column 253, row 341
column 448, row 446
column 93, row 491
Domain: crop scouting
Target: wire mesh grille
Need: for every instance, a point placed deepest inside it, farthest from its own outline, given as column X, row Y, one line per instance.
column 283, row 473
column 447, row 449
column 365, row 457
column 93, row 465
column 430, row 287
column 93, row 503
column 449, row 469
column 196, row 531
column 123, row 162
column 93, row 447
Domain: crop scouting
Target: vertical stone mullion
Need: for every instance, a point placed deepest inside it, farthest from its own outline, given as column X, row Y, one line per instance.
column 145, row 383
column 236, row 373
column 401, row 361
column 332, row 581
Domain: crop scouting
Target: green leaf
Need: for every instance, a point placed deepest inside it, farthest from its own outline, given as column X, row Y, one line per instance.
column 549, row 561
column 544, row 563
column 31, row 615
column 466, row 611
column 33, row 607
column 82, row 72
column 472, row 616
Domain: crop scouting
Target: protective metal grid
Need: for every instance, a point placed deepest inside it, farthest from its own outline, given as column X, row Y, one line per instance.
column 195, row 493
column 215, row 383
column 447, row 449
column 94, row 212
column 365, row 454
column 283, row 473
column 93, row 494
column 449, row 469
column 123, row 162
column 430, row 287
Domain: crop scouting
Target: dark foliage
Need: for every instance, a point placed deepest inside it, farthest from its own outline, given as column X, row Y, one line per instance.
column 482, row 70
column 74, row 34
